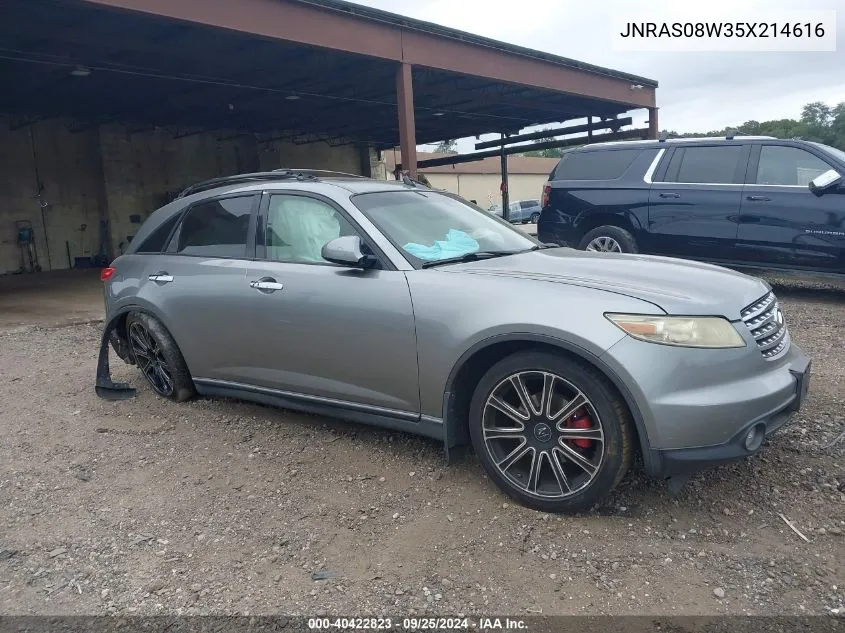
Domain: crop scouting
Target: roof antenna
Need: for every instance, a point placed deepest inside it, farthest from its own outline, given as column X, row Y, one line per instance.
column 663, row 136
column 732, row 132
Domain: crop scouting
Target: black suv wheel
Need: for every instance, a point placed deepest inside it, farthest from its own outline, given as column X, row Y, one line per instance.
column 608, row 239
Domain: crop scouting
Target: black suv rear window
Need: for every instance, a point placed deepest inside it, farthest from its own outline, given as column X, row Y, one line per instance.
column 705, row 164
column 596, row 165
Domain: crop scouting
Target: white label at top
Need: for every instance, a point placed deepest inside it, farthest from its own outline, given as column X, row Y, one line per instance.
column 678, row 29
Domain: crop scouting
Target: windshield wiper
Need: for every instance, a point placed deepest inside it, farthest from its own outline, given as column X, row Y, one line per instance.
column 469, row 257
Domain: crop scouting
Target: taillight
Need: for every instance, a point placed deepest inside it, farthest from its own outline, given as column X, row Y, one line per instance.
column 547, row 192
column 106, row 273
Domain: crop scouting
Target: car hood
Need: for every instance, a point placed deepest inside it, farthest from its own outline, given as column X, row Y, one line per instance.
column 677, row 286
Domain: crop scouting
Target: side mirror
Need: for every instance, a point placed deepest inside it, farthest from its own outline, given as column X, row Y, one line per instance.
column 347, row 250
column 826, row 181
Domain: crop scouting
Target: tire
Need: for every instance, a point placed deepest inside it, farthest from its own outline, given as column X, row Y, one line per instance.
column 167, row 374
column 603, row 417
column 535, row 217
column 610, row 235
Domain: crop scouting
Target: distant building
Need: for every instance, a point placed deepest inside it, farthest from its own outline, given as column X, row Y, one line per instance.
column 480, row 180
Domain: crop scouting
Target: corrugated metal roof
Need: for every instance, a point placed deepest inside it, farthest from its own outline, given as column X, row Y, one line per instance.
column 436, row 29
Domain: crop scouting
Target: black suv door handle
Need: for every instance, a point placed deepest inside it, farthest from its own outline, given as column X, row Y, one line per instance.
column 758, row 198
column 669, row 194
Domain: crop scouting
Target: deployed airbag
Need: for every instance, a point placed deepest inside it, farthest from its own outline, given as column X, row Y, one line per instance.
column 457, row 243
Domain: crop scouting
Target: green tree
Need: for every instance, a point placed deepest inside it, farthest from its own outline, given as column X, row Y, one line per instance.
column 554, row 152
column 446, row 147
column 819, row 122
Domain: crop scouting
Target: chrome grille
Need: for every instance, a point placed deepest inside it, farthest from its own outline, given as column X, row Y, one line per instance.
column 765, row 321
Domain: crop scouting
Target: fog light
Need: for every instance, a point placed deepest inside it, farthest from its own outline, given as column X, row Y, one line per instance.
column 754, row 437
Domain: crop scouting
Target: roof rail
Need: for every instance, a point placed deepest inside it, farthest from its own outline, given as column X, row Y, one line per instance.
column 325, row 173
column 258, row 176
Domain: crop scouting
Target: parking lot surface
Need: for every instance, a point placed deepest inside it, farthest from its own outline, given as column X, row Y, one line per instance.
column 213, row 506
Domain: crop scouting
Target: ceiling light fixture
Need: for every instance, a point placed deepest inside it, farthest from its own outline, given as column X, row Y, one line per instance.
column 80, row 71
column 438, row 114
column 292, row 97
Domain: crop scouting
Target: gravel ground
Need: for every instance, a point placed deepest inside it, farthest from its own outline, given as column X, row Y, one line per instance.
column 215, row 506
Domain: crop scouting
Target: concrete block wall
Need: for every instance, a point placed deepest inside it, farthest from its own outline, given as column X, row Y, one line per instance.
column 64, row 163
column 94, row 173
column 142, row 169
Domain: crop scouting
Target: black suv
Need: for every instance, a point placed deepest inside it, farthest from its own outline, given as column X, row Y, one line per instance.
column 741, row 201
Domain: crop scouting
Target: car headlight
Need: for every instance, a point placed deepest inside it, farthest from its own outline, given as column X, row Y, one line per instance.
column 712, row 332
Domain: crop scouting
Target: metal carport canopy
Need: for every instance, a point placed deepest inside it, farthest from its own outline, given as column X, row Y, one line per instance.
column 303, row 69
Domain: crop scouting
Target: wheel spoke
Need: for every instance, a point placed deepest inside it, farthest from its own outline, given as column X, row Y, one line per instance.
column 536, row 467
column 514, row 456
column 137, row 339
column 577, row 458
column 559, row 473
column 148, row 342
column 578, row 400
column 522, row 392
column 166, row 380
column 500, row 405
column 545, row 404
column 594, row 434
column 504, row 433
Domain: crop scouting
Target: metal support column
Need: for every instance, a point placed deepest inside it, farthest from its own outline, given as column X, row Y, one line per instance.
column 504, row 185
column 653, row 127
column 407, row 125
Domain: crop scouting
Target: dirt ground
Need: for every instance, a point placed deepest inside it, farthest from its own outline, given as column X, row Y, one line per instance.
column 214, row 506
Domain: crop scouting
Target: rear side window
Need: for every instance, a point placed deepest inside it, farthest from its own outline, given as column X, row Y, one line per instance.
column 705, row 165
column 598, row 165
column 784, row 165
column 217, row 228
column 157, row 240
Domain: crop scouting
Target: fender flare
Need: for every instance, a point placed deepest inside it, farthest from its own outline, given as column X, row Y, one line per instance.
column 455, row 437
column 104, row 386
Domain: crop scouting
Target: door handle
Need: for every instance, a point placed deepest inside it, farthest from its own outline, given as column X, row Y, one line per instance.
column 161, row 277
column 758, row 198
column 266, row 284
column 669, row 194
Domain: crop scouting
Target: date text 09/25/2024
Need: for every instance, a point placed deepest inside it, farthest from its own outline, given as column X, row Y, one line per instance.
column 417, row 624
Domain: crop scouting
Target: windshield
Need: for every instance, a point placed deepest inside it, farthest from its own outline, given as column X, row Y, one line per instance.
column 836, row 153
column 428, row 226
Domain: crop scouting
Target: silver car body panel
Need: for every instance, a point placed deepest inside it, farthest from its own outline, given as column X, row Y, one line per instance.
column 383, row 345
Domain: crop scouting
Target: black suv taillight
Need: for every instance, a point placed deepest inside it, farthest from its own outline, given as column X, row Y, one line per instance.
column 544, row 199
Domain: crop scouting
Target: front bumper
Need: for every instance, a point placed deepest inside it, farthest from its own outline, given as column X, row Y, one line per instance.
column 683, row 461
column 698, row 406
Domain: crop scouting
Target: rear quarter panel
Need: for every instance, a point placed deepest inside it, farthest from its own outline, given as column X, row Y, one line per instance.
column 578, row 206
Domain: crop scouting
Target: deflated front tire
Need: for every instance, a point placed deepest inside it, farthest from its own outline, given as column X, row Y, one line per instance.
column 158, row 357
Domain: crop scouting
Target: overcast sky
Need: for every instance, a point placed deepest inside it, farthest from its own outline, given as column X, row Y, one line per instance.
column 697, row 92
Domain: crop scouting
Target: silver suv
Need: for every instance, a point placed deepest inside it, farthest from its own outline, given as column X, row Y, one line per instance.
column 391, row 304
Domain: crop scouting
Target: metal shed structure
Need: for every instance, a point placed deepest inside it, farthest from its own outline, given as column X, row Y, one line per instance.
column 152, row 94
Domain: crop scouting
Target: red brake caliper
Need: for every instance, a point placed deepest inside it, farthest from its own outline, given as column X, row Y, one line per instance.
column 580, row 420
